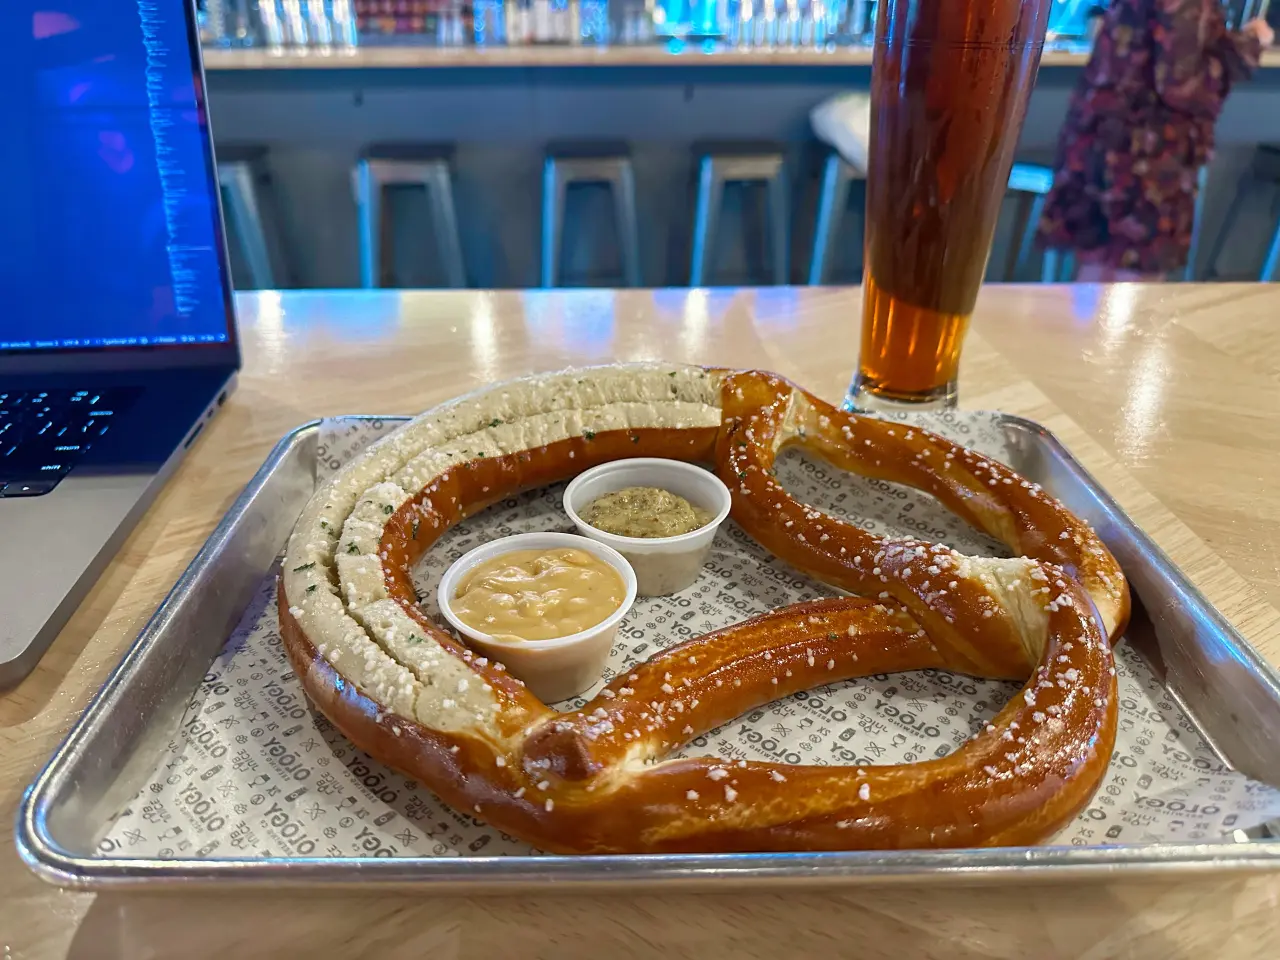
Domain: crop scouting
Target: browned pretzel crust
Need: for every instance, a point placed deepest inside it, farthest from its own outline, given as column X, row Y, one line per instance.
column 592, row 780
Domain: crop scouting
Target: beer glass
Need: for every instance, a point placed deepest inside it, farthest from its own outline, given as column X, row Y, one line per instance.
column 949, row 87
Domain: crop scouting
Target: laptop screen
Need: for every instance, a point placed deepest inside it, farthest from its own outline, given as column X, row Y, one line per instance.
column 109, row 233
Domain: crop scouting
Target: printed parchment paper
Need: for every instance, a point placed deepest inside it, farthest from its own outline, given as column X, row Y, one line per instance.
column 254, row 772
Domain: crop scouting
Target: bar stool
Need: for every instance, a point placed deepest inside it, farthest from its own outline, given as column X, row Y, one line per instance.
column 567, row 165
column 386, row 165
column 719, row 164
column 833, row 199
column 243, row 180
column 1030, row 183
column 1057, row 267
column 1265, row 170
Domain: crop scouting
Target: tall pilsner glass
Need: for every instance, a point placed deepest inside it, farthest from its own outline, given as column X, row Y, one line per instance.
column 949, row 90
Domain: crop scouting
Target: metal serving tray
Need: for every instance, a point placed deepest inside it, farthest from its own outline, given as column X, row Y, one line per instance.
column 1224, row 686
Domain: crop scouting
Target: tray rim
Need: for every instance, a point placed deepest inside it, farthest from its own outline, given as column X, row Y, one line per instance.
column 462, row 876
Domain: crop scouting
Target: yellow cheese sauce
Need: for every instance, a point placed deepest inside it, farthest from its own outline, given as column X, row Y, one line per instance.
column 538, row 594
column 647, row 512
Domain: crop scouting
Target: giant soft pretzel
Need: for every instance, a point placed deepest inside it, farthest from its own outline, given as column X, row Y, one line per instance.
column 593, row 780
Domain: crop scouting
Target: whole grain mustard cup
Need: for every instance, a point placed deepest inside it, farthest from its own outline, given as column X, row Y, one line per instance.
column 662, row 565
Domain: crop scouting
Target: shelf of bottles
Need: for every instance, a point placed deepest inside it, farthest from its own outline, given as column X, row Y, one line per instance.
column 283, row 25
column 287, row 24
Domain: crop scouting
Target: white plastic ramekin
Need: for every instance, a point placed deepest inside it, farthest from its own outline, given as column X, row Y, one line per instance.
column 555, row 669
column 662, row 565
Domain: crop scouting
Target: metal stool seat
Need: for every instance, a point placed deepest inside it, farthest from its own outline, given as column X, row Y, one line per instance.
column 833, row 199
column 567, row 165
column 386, row 165
column 719, row 164
column 1265, row 170
column 243, row 180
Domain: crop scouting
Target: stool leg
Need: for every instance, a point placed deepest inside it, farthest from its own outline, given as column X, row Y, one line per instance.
column 1272, row 263
column 1013, row 258
column 832, row 201
column 624, row 204
column 1049, row 267
column 780, row 227
column 1027, row 239
column 237, row 182
column 553, row 194
column 1197, row 222
column 440, row 190
column 1224, row 231
column 706, row 212
column 368, row 190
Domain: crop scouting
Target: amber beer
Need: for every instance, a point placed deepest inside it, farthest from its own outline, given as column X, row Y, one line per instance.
column 949, row 88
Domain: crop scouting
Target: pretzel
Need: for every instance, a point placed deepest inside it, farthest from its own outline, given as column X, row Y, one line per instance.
column 594, row 780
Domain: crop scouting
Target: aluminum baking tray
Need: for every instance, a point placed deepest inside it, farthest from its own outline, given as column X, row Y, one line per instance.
column 1228, row 691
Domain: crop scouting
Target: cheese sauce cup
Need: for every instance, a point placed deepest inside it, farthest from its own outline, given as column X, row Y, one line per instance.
column 554, row 669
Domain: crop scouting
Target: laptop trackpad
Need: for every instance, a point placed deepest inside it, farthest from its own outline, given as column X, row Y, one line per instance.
column 55, row 546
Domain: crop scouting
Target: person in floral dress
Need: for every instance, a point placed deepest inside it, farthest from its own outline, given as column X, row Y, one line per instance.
column 1139, row 128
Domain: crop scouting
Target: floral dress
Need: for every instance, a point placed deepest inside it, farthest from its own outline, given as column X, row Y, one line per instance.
column 1139, row 127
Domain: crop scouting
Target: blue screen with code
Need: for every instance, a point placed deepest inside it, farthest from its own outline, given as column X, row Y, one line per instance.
column 108, row 210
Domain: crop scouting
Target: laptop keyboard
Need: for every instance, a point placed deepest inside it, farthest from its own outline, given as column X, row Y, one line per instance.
column 44, row 433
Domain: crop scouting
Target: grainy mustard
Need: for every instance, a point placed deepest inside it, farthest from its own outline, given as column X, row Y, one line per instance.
column 646, row 512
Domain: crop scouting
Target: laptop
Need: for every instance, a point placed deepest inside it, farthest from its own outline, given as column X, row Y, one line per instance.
column 117, row 337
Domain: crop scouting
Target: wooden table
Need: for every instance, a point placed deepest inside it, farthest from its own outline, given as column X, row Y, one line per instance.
column 1170, row 395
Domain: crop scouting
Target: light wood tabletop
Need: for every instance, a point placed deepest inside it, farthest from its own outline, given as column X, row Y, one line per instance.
column 1169, row 394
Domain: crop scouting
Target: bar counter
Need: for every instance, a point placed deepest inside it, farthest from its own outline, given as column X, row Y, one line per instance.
column 1169, row 395
column 498, row 108
column 383, row 57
